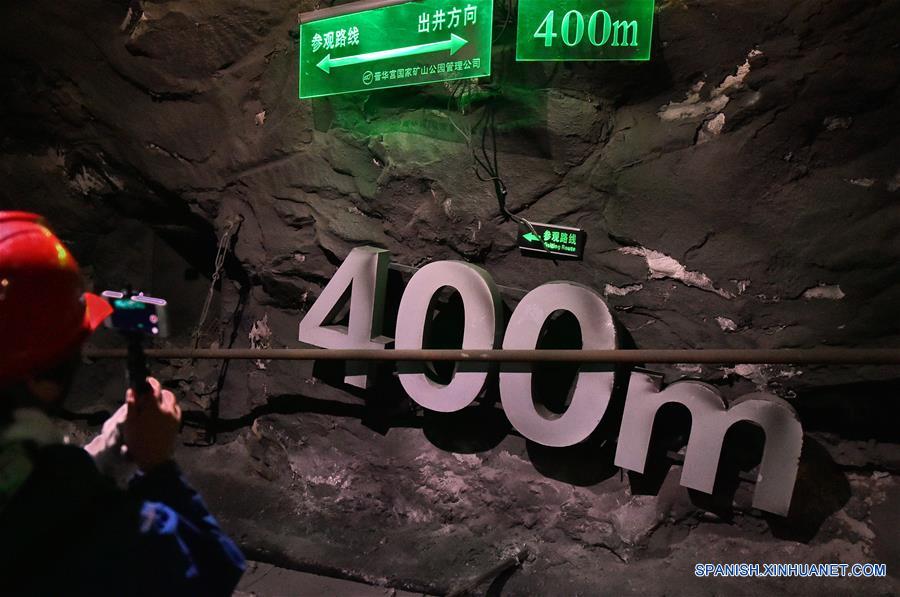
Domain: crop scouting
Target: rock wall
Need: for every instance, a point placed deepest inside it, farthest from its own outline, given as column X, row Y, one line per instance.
column 739, row 190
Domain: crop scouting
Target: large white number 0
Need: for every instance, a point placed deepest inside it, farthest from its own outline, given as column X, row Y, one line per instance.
column 364, row 273
column 592, row 388
column 481, row 308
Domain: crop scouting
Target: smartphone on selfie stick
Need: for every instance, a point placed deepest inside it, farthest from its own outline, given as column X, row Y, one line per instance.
column 137, row 317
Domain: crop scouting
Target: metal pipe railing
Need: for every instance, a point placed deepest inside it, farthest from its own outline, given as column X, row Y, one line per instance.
column 725, row 356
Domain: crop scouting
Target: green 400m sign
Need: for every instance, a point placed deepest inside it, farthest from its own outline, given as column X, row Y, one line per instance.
column 584, row 30
column 377, row 44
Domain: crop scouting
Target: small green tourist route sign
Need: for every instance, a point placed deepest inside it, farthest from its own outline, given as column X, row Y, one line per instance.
column 551, row 241
column 584, row 30
column 407, row 43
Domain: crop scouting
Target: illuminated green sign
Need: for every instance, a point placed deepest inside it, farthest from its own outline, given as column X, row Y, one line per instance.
column 404, row 44
column 547, row 240
column 584, row 30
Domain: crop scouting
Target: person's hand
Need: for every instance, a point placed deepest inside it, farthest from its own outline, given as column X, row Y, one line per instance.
column 151, row 426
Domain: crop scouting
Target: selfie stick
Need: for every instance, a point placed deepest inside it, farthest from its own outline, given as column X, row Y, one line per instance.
column 138, row 372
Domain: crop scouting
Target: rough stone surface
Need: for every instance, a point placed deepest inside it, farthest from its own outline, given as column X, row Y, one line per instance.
column 739, row 190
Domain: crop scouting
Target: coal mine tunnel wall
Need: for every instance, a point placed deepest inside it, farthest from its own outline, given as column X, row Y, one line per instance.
column 740, row 189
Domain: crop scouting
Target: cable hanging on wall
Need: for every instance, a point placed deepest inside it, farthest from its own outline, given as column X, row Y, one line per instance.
column 232, row 224
column 485, row 156
column 487, row 169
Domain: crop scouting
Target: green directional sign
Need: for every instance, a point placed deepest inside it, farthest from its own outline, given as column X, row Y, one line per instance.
column 584, row 30
column 551, row 241
column 410, row 43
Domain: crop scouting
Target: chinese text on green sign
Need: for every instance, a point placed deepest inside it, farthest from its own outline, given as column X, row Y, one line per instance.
column 404, row 44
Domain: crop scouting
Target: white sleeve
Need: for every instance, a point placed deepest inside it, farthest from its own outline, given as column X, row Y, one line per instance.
column 108, row 449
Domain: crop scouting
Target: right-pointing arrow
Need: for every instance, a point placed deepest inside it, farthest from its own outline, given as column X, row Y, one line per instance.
column 453, row 45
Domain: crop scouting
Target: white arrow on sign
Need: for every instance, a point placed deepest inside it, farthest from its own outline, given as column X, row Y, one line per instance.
column 453, row 45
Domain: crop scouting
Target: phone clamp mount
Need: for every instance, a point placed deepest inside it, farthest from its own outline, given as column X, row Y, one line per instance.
column 137, row 317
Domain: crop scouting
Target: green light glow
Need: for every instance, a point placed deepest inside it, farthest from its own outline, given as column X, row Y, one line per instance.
column 404, row 44
column 129, row 304
column 551, row 30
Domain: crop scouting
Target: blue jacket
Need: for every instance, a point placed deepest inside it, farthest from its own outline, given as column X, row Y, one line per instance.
column 68, row 530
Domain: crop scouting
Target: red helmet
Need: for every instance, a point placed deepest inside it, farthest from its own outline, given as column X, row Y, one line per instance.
column 44, row 314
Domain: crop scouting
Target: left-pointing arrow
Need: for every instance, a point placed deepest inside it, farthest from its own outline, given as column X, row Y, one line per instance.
column 531, row 236
column 453, row 45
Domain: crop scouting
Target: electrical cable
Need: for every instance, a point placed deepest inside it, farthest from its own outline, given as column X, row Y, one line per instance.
column 490, row 165
column 505, row 22
column 486, row 167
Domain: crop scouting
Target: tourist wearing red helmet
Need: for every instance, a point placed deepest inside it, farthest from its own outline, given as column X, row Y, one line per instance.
column 66, row 527
column 42, row 303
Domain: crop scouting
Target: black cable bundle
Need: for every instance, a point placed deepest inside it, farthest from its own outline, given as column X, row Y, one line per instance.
column 491, row 168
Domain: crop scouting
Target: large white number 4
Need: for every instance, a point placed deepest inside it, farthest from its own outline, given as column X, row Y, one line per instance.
column 361, row 280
